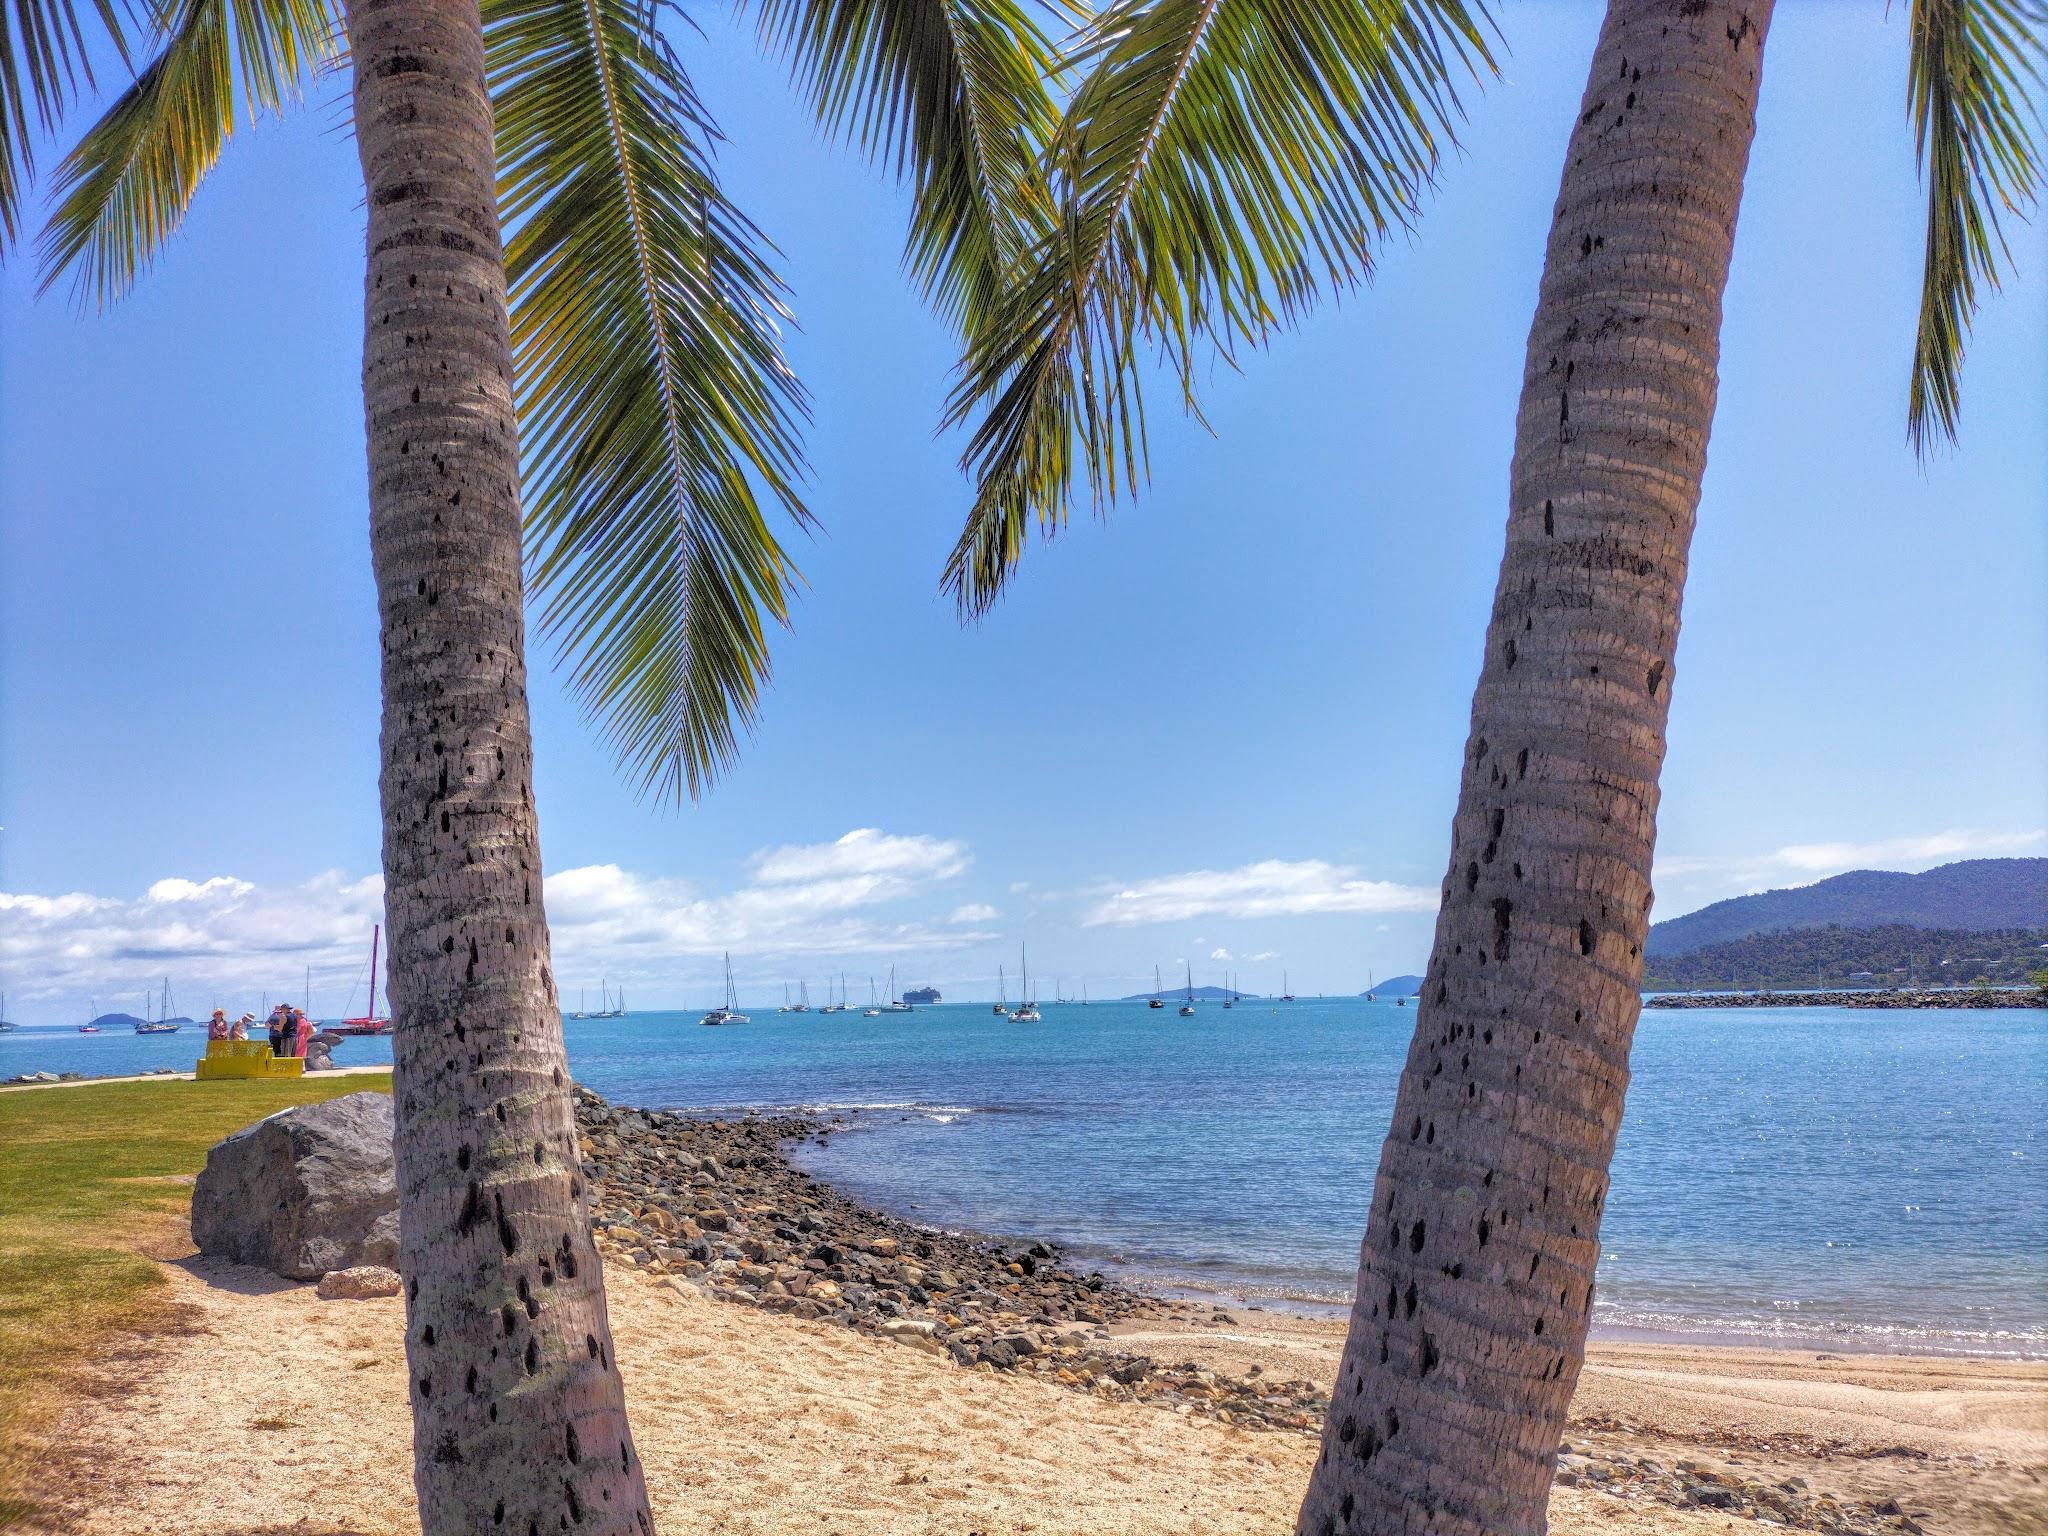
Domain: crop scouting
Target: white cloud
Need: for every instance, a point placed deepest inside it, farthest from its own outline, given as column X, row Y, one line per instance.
column 1270, row 888
column 862, row 854
column 1264, row 954
column 1710, row 877
column 974, row 912
column 229, row 939
column 1219, row 954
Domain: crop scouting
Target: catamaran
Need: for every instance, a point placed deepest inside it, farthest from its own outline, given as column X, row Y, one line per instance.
column 1155, row 1003
column 1187, row 1009
column 1027, row 1011
column 727, row 1012
column 370, row 1023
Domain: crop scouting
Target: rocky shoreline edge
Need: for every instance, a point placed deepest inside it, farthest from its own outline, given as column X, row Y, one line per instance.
column 1938, row 997
column 716, row 1206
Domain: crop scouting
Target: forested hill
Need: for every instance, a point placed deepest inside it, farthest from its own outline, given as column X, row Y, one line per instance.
column 1975, row 895
column 1892, row 955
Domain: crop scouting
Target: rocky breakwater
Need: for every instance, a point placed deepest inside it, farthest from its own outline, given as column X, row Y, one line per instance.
column 1919, row 997
column 717, row 1206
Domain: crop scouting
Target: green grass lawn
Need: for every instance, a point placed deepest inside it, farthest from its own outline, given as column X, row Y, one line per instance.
column 88, row 1176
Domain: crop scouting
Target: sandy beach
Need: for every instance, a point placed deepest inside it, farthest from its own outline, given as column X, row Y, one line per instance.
column 266, row 1410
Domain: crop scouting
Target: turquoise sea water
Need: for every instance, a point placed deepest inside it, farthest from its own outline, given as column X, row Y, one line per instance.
column 1853, row 1177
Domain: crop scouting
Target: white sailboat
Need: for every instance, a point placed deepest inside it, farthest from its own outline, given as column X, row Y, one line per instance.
column 1187, row 1008
column 1002, row 1003
column 1155, row 1003
column 1229, row 992
column 1027, row 1011
column 895, row 1003
column 841, row 1006
column 871, row 1011
column 803, row 999
column 727, row 1012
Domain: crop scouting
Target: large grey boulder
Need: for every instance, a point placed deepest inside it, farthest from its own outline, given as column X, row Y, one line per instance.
column 310, row 1189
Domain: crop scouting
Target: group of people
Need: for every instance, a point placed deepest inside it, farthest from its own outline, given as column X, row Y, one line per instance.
column 291, row 1032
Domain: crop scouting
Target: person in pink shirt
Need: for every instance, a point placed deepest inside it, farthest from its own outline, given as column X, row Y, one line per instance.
column 304, row 1029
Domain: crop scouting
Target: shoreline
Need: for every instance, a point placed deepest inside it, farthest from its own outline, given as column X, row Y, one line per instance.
column 1928, row 997
column 769, row 1395
column 1178, row 1288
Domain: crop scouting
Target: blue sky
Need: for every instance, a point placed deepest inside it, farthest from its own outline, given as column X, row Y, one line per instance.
column 1226, row 720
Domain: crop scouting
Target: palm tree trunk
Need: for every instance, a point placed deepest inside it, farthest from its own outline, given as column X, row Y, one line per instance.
column 519, row 1421
column 1475, row 1279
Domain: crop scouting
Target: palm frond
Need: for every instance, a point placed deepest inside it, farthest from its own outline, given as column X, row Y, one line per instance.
column 45, row 63
column 125, row 188
column 656, row 407
column 1973, row 124
column 1223, row 164
column 957, row 94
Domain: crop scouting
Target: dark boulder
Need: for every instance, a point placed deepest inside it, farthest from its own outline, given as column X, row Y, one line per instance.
column 309, row 1190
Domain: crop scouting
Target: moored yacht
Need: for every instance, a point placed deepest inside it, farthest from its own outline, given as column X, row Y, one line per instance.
column 1026, row 1010
column 727, row 1012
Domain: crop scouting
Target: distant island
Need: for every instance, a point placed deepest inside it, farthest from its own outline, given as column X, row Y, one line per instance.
column 1893, row 955
column 1395, row 986
column 921, row 995
column 1976, row 895
column 1980, row 923
column 125, row 1021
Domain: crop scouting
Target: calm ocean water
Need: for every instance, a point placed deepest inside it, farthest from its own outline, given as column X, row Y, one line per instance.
column 1852, row 1177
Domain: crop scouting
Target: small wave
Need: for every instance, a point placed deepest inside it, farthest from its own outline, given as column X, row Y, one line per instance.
column 941, row 1114
column 1792, row 1326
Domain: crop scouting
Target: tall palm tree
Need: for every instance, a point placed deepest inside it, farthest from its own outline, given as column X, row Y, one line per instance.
column 1221, row 163
column 629, row 327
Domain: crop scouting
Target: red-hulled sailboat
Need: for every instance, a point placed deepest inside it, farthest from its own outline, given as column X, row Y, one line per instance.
column 370, row 1023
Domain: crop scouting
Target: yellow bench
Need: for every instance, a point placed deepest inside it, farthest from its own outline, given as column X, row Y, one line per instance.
column 245, row 1058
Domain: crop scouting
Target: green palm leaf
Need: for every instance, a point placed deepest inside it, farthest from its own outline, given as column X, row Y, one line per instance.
column 1972, row 62
column 655, row 404
column 957, row 94
column 45, row 63
column 124, row 189
column 1223, row 164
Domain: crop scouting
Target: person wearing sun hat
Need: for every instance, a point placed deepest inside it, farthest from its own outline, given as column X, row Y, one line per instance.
column 217, row 1026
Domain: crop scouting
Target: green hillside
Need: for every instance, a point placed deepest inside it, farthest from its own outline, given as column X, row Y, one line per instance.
column 1835, row 956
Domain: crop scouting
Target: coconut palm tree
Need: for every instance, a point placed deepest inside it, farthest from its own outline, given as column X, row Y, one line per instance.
column 1217, row 167
column 624, row 334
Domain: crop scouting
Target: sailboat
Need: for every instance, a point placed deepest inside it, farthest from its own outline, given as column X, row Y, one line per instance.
column 91, row 1029
column 1155, row 1003
column 4, row 1025
column 727, row 1012
column 1187, row 1009
column 1027, row 1011
column 369, row 1023
column 841, row 1005
column 162, row 1024
column 803, row 999
column 1084, row 994
column 1002, row 1003
column 871, row 1011
column 1229, row 992
column 895, row 1003
column 581, row 1012
column 1368, row 988
column 1286, row 993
